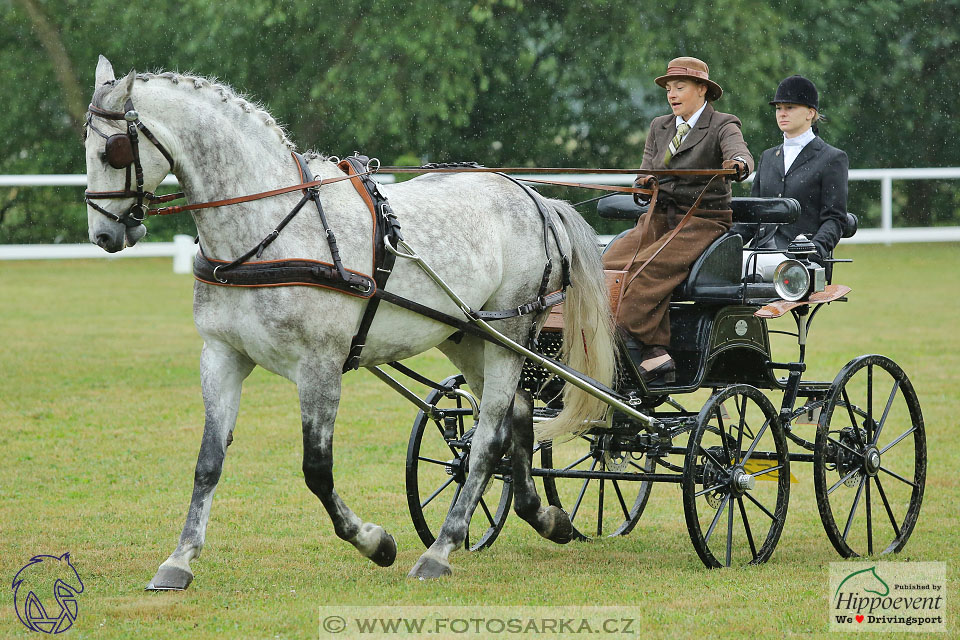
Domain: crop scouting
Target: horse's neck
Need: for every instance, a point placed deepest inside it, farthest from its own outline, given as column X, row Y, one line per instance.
column 223, row 152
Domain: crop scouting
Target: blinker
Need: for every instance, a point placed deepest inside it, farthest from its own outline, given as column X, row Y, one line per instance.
column 119, row 151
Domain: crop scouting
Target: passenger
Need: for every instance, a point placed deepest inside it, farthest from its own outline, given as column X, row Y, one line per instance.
column 806, row 168
column 694, row 136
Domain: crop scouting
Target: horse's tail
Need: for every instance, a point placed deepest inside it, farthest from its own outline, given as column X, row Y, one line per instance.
column 588, row 330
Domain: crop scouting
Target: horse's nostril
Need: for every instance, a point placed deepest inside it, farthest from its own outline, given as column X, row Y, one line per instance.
column 103, row 240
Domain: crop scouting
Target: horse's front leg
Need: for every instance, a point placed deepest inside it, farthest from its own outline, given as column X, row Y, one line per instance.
column 319, row 388
column 222, row 372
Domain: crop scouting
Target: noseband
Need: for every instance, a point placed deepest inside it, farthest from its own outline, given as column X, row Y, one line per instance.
column 122, row 151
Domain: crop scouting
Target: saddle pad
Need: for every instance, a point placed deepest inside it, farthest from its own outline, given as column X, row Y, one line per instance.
column 614, row 280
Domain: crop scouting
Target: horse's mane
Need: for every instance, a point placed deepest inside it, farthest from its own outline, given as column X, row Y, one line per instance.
column 225, row 92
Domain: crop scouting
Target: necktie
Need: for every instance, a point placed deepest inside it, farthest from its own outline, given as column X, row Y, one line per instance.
column 675, row 143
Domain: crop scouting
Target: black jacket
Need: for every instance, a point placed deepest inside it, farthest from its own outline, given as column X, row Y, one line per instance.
column 818, row 180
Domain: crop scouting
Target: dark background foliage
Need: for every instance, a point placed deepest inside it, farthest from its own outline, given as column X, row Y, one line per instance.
column 503, row 82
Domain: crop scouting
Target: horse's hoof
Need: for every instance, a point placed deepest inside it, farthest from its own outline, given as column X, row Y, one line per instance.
column 560, row 529
column 430, row 567
column 170, row 579
column 386, row 551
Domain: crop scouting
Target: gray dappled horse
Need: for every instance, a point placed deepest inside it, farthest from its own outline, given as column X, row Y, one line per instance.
column 482, row 233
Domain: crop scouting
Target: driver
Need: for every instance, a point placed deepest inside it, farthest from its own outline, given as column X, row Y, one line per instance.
column 693, row 136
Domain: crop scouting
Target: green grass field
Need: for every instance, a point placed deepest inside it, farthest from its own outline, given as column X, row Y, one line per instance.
column 101, row 417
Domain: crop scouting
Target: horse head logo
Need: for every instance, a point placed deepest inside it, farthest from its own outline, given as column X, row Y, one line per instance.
column 35, row 583
column 867, row 581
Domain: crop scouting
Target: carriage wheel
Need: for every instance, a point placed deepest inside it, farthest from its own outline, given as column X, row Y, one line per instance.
column 438, row 463
column 868, row 471
column 596, row 507
column 736, row 479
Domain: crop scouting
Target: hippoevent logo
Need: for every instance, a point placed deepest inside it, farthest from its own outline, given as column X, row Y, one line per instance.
column 888, row 596
column 45, row 593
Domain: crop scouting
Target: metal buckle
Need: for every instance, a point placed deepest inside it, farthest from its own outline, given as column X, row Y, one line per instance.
column 364, row 288
column 216, row 277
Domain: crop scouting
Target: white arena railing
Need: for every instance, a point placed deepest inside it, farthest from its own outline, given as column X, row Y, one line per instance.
column 182, row 249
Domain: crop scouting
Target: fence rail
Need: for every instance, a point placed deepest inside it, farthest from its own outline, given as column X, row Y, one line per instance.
column 183, row 249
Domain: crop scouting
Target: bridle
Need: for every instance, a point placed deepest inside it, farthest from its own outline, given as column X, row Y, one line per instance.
column 122, row 151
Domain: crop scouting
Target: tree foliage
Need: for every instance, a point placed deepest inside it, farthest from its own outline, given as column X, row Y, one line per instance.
column 502, row 82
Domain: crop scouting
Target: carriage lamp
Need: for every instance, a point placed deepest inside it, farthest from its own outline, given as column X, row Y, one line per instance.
column 791, row 280
column 801, row 248
column 793, row 276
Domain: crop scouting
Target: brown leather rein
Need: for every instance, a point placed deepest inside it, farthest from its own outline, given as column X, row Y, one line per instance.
column 651, row 192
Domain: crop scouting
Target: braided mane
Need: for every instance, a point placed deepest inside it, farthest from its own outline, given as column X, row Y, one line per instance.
column 221, row 90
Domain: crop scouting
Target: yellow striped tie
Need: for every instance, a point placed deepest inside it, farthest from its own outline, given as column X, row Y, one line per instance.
column 675, row 143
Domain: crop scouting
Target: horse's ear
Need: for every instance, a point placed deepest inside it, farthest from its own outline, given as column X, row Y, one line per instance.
column 104, row 72
column 122, row 90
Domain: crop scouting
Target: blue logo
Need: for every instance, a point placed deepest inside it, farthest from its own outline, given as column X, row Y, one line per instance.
column 45, row 593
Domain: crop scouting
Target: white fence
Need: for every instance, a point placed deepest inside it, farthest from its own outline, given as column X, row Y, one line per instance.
column 182, row 248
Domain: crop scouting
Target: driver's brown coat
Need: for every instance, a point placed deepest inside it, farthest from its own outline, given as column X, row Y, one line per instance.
column 646, row 299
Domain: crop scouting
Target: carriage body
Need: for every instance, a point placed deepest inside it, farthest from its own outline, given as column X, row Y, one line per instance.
column 720, row 341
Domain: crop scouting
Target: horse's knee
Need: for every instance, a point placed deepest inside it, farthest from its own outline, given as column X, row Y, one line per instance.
column 209, row 468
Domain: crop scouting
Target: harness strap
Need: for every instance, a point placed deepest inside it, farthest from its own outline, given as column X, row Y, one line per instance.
column 540, row 304
column 548, row 226
column 413, row 375
column 282, row 273
column 385, row 225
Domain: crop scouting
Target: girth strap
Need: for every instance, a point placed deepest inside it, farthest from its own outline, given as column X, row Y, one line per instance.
column 385, row 225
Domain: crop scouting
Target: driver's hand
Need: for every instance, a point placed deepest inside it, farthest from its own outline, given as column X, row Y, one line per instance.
column 643, row 181
column 740, row 166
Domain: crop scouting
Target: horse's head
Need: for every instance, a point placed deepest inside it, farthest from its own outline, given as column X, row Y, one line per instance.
column 122, row 171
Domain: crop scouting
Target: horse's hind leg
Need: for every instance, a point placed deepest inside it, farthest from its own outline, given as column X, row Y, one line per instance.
column 222, row 372
column 319, row 387
column 551, row 522
column 500, row 375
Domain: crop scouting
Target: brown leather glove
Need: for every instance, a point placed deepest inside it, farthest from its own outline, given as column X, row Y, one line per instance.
column 643, row 181
column 740, row 166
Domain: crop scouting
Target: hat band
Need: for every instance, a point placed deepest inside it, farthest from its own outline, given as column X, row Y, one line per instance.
column 687, row 71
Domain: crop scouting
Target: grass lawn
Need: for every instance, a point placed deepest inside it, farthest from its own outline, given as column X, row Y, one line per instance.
column 100, row 423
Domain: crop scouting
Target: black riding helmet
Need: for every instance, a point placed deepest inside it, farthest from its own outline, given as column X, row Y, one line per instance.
column 797, row 90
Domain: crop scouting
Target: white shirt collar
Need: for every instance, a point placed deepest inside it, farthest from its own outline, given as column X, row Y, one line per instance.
column 693, row 119
column 801, row 140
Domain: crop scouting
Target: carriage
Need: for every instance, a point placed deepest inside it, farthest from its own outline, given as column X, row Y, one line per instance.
column 303, row 301
column 732, row 458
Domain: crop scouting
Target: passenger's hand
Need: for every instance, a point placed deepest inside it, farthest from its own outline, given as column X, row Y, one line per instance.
column 740, row 166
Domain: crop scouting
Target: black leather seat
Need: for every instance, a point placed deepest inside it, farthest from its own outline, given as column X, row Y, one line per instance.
column 745, row 210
